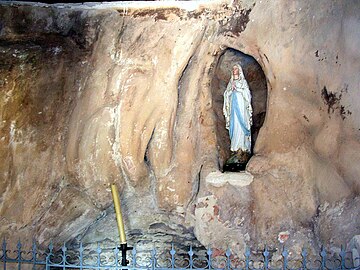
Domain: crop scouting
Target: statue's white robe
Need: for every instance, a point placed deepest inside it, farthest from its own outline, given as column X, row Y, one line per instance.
column 238, row 113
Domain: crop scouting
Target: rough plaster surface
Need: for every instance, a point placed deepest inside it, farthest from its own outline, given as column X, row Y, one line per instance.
column 90, row 97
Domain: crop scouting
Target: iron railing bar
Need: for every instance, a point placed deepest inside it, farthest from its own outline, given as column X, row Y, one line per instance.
column 67, row 266
column 325, row 261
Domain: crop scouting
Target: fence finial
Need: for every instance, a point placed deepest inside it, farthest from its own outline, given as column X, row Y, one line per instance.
column 323, row 257
column 172, row 251
column 19, row 245
column 266, row 259
column 191, row 253
column 51, row 247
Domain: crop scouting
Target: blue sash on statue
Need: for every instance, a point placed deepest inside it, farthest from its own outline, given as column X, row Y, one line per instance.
column 235, row 111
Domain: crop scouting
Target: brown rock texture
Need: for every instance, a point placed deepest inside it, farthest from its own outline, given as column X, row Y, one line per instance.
column 94, row 95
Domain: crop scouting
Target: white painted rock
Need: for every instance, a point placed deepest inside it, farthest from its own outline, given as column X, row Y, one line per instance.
column 236, row 179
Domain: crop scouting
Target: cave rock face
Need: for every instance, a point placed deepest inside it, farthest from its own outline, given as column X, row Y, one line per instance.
column 91, row 96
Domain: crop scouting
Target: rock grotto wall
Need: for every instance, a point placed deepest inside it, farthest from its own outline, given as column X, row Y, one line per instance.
column 92, row 96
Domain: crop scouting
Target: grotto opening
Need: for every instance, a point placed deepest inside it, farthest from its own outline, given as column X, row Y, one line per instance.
column 132, row 93
column 256, row 80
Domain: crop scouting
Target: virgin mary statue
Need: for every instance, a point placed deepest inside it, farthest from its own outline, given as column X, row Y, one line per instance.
column 238, row 111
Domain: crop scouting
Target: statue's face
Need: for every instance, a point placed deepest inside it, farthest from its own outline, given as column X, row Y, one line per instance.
column 235, row 71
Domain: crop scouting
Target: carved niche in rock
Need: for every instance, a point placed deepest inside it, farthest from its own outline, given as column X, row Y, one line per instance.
column 255, row 77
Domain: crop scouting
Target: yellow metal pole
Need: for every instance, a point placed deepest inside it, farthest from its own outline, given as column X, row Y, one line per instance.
column 119, row 219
